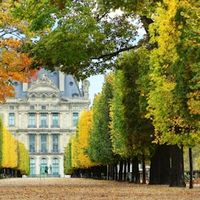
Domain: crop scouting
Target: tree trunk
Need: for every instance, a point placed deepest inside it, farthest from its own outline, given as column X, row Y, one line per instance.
column 191, row 168
column 129, row 170
column 125, row 163
column 135, row 171
column 107, row 174
column 143, row 170
column 112, row 172
column 120, row 170
column 177, row 168
column 116, row 172
column 160, row 166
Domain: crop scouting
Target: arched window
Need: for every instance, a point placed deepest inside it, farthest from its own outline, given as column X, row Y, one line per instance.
column 74, row 95
column 43, row 166
column 55, row 167
column 43, row 96
column 33, row 96
column 32, row 167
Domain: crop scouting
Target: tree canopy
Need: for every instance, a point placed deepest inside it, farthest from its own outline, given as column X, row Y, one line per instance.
column 14, row 65
column 79, row 37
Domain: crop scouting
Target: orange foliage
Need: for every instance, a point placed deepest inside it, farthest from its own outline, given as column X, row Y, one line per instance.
column 14, row 66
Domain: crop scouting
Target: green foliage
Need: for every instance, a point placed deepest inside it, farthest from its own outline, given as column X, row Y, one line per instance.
column 68, row 159
column 135, row 69
column 100, row 148
column 195, row 157
column 117, row 125
column 82, row 37
column 174, row 74
column 23, row 159
column 141, row 7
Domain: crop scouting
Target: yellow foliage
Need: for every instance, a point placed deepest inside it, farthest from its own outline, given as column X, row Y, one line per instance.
column 84, row 127
column 80, row 158
column 164, row 30
column 9, row 150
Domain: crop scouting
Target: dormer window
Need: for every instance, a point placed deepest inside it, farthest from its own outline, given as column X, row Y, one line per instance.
column 75, row 95
column 43, row 96
column 53, row 96
column 71, row 83
column 15, row 83
column 33, row 96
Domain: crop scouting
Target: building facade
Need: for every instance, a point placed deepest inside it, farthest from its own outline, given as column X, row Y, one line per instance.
column 43, row 115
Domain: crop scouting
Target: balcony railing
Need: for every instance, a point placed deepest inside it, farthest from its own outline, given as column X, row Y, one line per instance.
column 43, row 126
column 55, row 151
column 55, row 126
column 32, row 150
column 31, row 126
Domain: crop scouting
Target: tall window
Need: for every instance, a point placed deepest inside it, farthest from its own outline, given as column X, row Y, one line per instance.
column 75, row 119
column 11, row 119
column 55, row 144
column 43, row 120
column 32, row 143
column 31, row 120
column 43, row 165
column 32, row 167
column 43, row 143
column 55, row 120
column 55, row 167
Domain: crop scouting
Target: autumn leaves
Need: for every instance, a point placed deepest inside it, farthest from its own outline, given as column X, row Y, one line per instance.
column 13, row 154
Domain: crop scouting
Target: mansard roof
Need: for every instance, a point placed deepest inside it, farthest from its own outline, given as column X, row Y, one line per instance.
column 56, row 82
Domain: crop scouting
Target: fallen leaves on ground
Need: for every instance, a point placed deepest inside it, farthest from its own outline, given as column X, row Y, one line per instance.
column 87, row 189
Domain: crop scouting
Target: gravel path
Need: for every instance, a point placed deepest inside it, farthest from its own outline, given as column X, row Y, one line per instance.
column 86, row 189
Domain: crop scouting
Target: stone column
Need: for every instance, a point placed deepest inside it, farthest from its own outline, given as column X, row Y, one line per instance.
column 37, row 143
column 20, row 121
column 37, row 120
column 49, row 143
column 49, row 119
column 61, row 168
column 37, row 165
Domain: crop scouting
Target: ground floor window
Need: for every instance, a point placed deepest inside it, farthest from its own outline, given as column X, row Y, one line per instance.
column 43, row 166
column 55, row 166
column 32, row 167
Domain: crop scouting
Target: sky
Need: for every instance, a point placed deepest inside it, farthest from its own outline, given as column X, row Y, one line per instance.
column 96, row 83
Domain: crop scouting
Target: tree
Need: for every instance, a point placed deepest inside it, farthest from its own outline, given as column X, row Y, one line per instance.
column 14, row 65
column 84, row 35
column 117, row 124
column 84, row 127
column 171, row 73
column 68, row 158
column 131, row 97
column 23, row 159
column 100, row 148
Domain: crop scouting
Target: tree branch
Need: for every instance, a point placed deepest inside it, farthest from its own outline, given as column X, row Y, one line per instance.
column 115, row 53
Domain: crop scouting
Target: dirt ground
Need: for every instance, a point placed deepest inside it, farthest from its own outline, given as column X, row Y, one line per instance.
column 86, row 189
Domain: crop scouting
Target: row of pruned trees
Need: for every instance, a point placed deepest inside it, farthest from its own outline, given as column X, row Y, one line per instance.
column 136, row 119
column 14, row 157
column 151, row 111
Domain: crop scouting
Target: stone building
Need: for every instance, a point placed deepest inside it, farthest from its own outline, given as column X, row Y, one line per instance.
column 43, row 115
